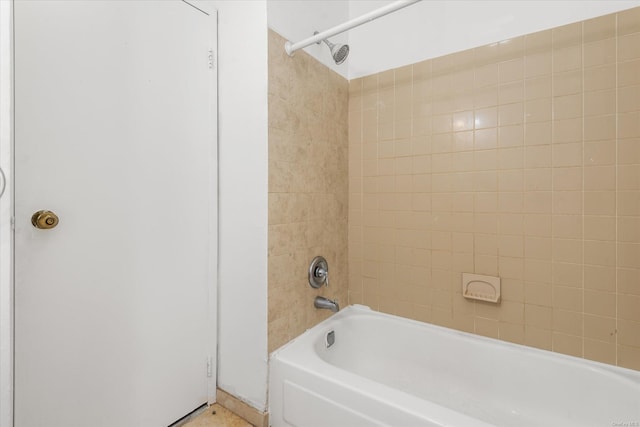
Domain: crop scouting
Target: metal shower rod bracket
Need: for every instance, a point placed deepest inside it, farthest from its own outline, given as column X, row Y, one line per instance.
column 367, row 17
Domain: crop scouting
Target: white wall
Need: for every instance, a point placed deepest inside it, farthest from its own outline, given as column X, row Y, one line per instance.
column 242, row 154
column 433, row 28
column 425, row 30
column 296, row 20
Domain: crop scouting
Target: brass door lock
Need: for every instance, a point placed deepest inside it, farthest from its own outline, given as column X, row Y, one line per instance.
column 44, row 220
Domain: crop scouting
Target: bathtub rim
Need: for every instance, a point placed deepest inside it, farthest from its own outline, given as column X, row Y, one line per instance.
column 317, row 331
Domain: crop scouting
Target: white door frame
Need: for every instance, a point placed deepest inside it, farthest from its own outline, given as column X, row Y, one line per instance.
column 214, row 233
column 6, row 229
column 6, row 209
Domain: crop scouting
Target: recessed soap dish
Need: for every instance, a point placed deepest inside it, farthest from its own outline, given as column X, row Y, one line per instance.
column 483, row 288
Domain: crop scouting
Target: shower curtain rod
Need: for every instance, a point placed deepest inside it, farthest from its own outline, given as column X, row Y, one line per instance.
column 367, row 17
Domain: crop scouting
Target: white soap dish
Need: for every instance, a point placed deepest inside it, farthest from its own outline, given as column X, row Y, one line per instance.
column 483, row 288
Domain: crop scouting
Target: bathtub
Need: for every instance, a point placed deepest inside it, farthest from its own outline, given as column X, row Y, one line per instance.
column 383, row 370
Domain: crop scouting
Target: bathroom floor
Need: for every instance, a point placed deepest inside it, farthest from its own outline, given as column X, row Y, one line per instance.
column 216, row 416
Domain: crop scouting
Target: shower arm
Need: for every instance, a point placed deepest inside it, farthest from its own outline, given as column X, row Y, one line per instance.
column 290, row 48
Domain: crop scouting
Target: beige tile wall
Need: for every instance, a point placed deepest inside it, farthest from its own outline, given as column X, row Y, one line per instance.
column 519, row 159
column 308, row 188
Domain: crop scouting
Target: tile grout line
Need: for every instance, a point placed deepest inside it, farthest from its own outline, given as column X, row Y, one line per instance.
column 582, row 189
column 524, row 144
column 361, row 189
column 553, row 126
column 615, row 341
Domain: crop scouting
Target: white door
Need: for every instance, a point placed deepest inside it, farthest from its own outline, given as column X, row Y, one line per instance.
column 115, row 132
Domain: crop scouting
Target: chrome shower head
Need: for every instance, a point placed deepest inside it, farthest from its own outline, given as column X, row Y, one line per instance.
column 339, row 52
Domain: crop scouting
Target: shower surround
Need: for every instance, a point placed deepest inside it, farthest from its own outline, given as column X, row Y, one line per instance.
column 308, row 188
column 519, row 159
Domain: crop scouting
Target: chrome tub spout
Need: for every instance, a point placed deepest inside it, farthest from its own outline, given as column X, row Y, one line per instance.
column 322, row 302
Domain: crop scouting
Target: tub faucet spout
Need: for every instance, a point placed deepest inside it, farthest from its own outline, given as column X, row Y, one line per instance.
column 322, row 302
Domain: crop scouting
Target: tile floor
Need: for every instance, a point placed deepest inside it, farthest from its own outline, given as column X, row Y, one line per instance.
column 217, row 416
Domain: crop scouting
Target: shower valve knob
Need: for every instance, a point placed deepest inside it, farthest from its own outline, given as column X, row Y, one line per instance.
column 318, row 272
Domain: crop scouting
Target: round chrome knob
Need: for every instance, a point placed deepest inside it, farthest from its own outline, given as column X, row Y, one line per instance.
column 44, row 220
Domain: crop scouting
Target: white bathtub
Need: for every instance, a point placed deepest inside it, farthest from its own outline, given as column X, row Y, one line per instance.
column 384, row 370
